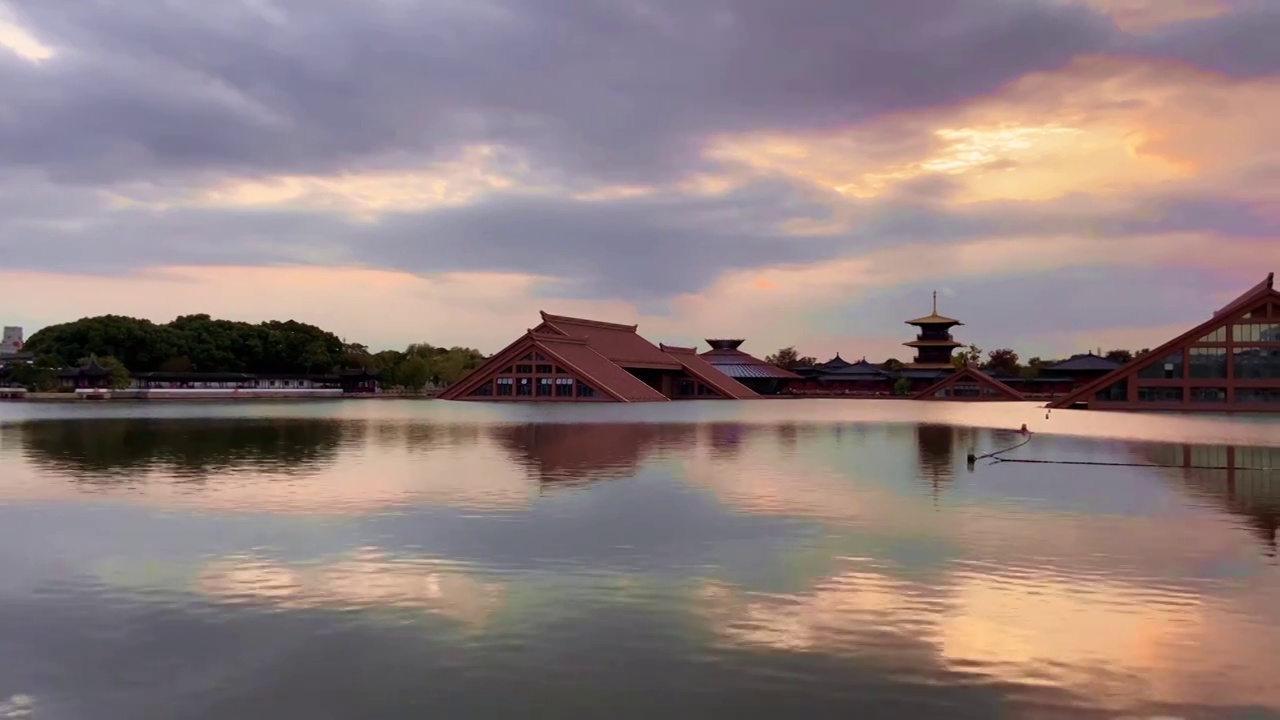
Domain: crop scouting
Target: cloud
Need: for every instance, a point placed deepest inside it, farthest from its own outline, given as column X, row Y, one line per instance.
column 664, row 155
column 624, row 91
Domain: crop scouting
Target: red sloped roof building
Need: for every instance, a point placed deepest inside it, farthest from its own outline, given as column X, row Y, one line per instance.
column 567, row 359
column 1229, row 362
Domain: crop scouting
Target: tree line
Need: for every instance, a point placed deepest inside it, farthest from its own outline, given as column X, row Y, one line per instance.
column 199, row 343
column 1002, row 360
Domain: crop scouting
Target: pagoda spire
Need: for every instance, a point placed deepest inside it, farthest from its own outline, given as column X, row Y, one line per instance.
column 935, row 302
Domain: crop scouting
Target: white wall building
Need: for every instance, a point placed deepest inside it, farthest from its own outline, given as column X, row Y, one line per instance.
column 11, row 341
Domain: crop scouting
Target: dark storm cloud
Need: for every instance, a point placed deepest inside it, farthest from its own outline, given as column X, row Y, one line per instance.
column 615, row 90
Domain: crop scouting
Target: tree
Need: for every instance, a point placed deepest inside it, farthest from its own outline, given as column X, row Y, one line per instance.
column 1003, row 360
column 902, row 386
column 180, row 364
column 892, row 365
column 414, row 373
column 1034, row 367
column 208, row 345
column 971, row 355
column 119, row 378
column 786, row 358
column 1120, row 356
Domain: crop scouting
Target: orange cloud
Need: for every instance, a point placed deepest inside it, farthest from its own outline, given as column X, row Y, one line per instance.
column 1098, row 126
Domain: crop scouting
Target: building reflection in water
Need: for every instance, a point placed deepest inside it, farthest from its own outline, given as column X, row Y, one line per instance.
column 561, row 455
column 939, row 446
column 1244, row 480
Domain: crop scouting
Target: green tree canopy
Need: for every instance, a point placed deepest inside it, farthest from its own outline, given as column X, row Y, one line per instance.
column 1003, row 360
column 193, row 342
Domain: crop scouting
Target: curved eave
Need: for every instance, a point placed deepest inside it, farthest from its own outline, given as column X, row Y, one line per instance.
column 934, row 320
column 933, row 343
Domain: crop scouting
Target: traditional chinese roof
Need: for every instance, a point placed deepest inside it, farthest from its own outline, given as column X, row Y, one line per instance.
column 724, row 344
column 728, row 359
column 834, row 363
column 90, row 369
column 857, row 371
column 600, row 354
column 696, row 366
column 619, row 343
column 578, row 356
column 934, row 318
column 972, row 375
column 1084, row 362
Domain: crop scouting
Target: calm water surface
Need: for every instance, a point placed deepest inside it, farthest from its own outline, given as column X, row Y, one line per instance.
column 787, row 559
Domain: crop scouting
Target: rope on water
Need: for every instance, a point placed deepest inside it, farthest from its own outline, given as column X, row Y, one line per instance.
column 974, row 458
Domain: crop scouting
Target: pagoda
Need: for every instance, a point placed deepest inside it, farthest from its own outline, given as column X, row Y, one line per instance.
column 934, row 343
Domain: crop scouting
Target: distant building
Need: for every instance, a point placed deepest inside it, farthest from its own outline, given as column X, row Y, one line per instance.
column 934, row 342
column 11, row 340
column 567, row 359
column 765, row 378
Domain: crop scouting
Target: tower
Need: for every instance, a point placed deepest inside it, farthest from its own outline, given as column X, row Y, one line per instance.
column 934, row 343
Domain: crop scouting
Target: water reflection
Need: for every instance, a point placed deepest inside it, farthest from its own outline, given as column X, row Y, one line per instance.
column 364, row 578
column 560, row 455
column 1243, row 480
column 778, row 569
column 93, row 450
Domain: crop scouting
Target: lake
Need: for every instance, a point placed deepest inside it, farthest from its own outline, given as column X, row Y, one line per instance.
column 768, row 559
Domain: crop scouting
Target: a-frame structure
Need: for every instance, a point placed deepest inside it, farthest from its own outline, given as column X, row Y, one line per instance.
column 567, row 359
column 1230, row 362
column 969, row 384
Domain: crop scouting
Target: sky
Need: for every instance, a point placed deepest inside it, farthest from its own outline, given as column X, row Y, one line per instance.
column 1066, row 174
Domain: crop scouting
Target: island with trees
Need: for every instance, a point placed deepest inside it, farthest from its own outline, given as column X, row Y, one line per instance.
column 123, row 350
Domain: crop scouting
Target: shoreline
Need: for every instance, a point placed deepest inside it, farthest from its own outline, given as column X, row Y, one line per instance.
column 77, row 398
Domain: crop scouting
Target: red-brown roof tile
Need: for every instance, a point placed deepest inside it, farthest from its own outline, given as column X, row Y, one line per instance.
column 579, row 357
column 707, row 373
column 973, row 375
column 619, row 343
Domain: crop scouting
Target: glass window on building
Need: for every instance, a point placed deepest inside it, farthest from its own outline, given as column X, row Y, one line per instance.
column 564, row 387
column 1258, row 395
column 524, row 388
column 544, row 387
column 1116, row 392
column 505, row 386
column 1217, row 336
column 1209, row 395
column 1160, row 394
column 1256, row 332
column 585, row 390
column 1208, row 363
column 1256, row 363
column 1168, row 367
